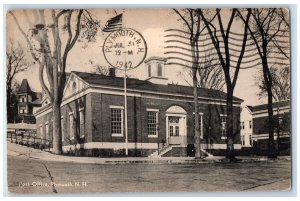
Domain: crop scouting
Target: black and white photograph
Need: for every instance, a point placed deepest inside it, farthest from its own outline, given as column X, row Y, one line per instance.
column 148, row 100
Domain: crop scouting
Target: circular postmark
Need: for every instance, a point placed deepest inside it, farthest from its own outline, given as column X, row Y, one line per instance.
column 125, row 49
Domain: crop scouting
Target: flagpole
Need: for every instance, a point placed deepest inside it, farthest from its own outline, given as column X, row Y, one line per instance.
column 125, row 111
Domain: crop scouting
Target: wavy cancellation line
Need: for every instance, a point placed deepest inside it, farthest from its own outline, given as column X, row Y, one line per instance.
column 212, row 48
column 207, row 44
column 220, row 37
column 219, row 31
column 232, row 66
column 212, row 53
column 209, row 66
column 258, row 65
column 232, row 55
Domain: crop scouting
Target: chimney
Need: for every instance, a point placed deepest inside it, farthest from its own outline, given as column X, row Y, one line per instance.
column 112, row 72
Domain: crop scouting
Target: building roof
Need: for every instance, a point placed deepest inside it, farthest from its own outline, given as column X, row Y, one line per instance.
column 24, row 86
column 144, row 85
column 278, row 104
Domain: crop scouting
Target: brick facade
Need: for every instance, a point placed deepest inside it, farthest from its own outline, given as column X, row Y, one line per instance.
column 97, row 122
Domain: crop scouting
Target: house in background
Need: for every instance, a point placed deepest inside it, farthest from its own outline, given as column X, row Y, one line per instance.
column 257, row 134
column 28, row 102
column 160, row 115
column 246, row 126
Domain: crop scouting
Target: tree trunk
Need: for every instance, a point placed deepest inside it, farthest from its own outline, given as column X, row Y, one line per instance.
column 229, row 125
column 269, row 83
column 57, row 138
column 196, row 110
column 271, row 142
column 197, row 133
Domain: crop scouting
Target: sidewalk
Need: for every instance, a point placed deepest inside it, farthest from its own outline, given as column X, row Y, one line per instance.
column 27, row 152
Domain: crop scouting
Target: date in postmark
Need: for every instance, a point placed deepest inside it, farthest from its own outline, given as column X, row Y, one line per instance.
column 125, row 49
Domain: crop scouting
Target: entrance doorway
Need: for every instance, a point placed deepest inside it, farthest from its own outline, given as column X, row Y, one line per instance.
column 176, row 126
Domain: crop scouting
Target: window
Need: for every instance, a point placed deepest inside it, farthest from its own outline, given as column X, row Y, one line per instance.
column 171, row 131
column 152, row 123
column 149, row 70
column 223, row 126
column 62, row 128
column 74, row 87
column 174, row 125
column 176, row 130
column 250, row 140
column 22, row 98
column 22, row 110
column 71, row 125
column 242, row 125
column 243, row 140
column 250, row 124
column 81, row 119
column 159, row 70
column 116, row 121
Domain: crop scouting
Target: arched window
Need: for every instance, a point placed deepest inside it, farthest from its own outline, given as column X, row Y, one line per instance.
column 74, row 87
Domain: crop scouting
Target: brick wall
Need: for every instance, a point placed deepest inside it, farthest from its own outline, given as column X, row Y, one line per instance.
column 137, row 119
column 260, row 124
column 74, row 106
column 98, row 119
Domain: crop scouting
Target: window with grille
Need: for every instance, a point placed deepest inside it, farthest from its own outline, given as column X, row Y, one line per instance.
column 171, row 131
column 174, row 120
column 152, row 122
column 176, row 130
column 116, row 121
column 223, row 126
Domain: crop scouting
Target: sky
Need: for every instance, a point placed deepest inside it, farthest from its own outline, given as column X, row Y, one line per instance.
column 151, row 23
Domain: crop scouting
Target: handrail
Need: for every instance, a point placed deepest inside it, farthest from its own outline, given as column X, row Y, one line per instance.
column 30, row 140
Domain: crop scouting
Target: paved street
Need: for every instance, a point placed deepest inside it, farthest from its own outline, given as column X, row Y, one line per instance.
column 27, row 174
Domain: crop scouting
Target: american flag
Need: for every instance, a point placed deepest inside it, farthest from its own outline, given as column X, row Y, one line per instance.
column 113, row 24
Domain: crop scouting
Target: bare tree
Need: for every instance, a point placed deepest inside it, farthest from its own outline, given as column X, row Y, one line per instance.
column 210, row 74
column 191, row 19
column 281, row 89
column 268, row 28
column 50, row 50
column 102, row 70
column 15, row 63
column 225, row 58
